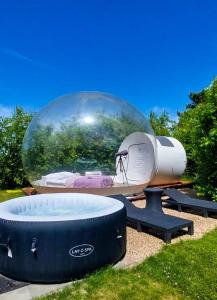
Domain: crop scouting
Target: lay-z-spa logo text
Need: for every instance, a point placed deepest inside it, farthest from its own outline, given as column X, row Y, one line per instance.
column 81, row 250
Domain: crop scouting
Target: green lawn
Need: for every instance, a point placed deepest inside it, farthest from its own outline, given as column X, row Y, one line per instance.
column 187, row 270
column 9, row 194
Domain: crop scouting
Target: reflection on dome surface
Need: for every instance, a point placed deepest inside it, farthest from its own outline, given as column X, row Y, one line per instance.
column 73, row 141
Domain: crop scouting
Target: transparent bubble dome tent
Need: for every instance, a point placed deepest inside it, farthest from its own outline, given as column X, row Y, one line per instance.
column 80, row 143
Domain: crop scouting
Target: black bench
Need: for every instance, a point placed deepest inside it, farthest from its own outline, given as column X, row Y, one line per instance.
column 181, row 200
column 158, row 221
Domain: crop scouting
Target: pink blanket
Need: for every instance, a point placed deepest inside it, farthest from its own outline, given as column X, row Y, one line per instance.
column 93, row 182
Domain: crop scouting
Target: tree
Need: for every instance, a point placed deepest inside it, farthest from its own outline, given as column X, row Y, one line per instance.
column 197, row 130
column 12, row 130
column 196, row 98
column 162, row 124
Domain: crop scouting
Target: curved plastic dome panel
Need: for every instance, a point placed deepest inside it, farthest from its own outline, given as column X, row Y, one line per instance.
column 77, row 136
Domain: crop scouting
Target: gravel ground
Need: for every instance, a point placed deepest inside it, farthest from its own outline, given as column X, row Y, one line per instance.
column 141, row 245
column 7, row 284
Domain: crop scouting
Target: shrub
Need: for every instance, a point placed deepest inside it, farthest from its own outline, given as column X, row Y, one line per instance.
column 197, row 130
column 162, row 124
column 12, row 130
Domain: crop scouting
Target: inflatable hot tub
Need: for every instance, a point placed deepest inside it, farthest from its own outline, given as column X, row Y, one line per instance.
column 59, row 237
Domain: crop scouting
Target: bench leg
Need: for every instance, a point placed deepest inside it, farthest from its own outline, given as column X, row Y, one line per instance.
column 167, row 237
column 205, row 213
column 179, row 208
column 191, row 230
column 138, row 227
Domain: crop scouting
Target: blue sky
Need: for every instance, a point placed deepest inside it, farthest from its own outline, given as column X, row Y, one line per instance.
column 151, row 53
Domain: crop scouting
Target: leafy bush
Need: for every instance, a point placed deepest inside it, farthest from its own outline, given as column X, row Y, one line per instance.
column 162, row 124
column 12, row 130
column 197, row 130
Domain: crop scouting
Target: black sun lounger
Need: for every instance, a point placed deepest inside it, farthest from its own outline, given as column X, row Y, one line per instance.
column 182, row 200
column 158, row 221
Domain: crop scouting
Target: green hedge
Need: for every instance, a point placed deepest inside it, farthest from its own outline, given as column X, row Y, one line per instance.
column 197, row 130
column 12, row 130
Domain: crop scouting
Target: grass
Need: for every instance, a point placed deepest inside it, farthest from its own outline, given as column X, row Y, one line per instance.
column 187, row 270
column 9, row 194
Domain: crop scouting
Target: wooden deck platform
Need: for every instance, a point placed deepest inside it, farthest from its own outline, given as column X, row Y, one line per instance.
column 130, row 190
